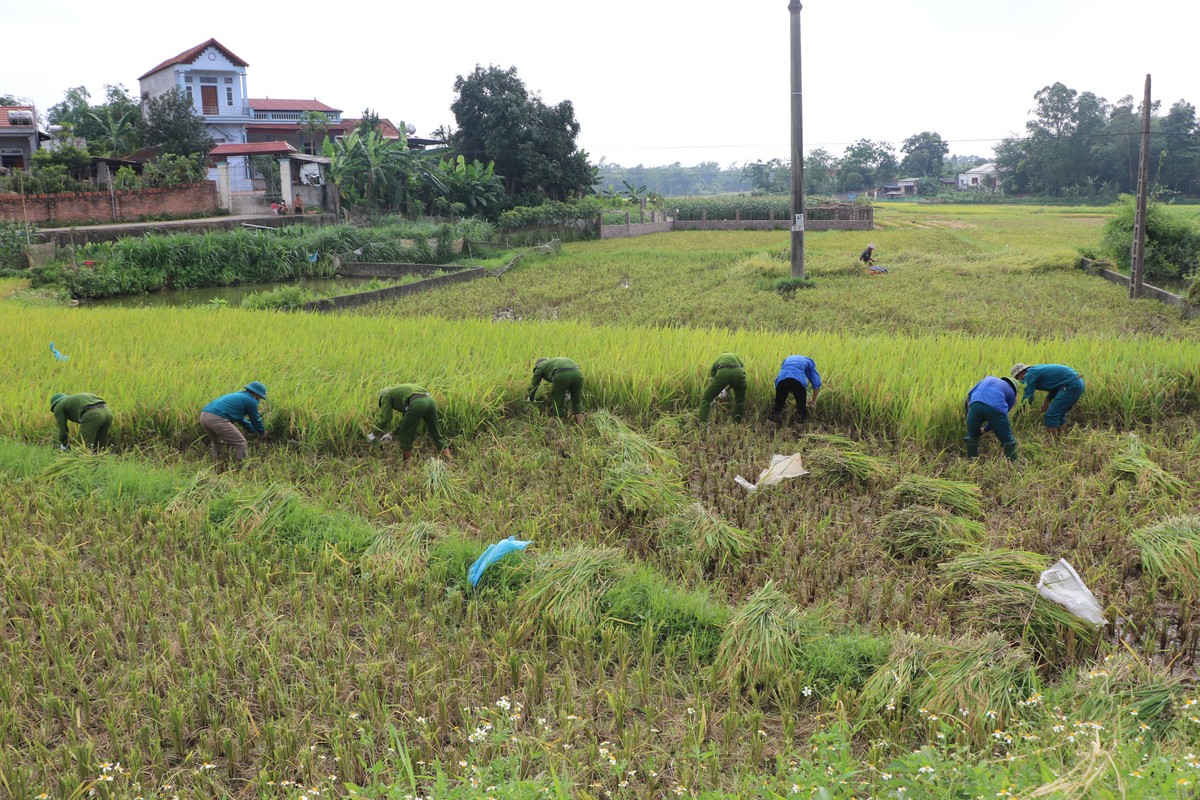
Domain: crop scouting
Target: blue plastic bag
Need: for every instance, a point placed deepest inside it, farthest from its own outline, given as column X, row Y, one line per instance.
column 494, row 553
column 57, row 355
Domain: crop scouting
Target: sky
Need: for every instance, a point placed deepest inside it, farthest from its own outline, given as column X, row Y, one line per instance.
column 652, row 82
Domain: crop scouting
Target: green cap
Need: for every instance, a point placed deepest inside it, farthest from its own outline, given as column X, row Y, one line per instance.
column 54, row 398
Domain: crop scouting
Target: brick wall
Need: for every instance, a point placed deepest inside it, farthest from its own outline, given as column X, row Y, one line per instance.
column 810, row 225
column 100, row 207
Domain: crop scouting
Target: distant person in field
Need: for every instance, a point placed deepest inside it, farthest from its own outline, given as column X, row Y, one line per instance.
column 86, row 410
column 566, row 383
column 868, row 256
column 987, row 405
column 415, row 406
column 1063, row 388
column 727, row 372
column 796, row 376
column 221, row 419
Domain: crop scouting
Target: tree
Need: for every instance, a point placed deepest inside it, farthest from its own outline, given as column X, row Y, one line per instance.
column 873, row 162
column 375, row 172
column 119, row 134
column 923, row 155
column 531, row 144
column 820, row 169
column 173, row 126
column 314, row 125
column 769, row 177
column 110, row 128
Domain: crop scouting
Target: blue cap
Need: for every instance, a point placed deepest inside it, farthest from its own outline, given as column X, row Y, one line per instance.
column 257, row 388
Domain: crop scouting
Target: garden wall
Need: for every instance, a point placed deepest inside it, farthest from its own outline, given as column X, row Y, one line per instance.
column 1161, row 295
column 63, row 237
column 77, row 208
column 362, row 298
column 771, row 225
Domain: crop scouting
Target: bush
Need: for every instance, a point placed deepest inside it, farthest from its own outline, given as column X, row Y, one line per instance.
column 13, row 236
column 1172, row 246
column 285, row 298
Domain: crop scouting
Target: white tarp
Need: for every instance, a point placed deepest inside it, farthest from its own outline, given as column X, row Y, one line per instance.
column 780, row 467
column 310, row 175
column 1061, row 584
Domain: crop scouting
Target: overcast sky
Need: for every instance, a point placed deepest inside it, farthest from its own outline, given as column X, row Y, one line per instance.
column 653, row 81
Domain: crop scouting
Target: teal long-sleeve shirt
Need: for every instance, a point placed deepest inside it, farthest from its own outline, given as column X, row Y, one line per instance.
column 1047, row 378
column 393, row 399
column 726, row 361
column 238, row 407
column 545, row 371
column 71, row 408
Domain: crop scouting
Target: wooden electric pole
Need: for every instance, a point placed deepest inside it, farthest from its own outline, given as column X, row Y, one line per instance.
column 797, row 148
column 1138, row 259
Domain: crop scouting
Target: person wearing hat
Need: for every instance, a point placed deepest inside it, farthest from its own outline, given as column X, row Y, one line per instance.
column 987, row 405
column 88, row 411
column 564, row 377
column 221, row 418
column 1062, row 385
column 727, row 372
column 415, row 405
column 868, row 256
column 796, row 375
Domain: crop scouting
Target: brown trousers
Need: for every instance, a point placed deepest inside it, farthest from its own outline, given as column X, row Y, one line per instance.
column 221, row 431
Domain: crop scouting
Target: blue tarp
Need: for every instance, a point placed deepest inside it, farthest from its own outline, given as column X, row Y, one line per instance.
column 493, row 554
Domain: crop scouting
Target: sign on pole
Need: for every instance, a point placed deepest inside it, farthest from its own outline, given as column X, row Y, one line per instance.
column 798, row 223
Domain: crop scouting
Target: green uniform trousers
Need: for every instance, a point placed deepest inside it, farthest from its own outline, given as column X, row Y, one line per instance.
column 735, row 379
column 94, row 425
column 420, row 409
column 997, row 421
column 566, row 380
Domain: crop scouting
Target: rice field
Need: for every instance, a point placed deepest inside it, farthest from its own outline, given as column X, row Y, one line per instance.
column 304, row 627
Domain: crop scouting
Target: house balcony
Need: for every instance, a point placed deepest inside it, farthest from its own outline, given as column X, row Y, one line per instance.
column 226, row 112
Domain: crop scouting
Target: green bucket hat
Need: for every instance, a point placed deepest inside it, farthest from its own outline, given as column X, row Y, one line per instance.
column 54, row 398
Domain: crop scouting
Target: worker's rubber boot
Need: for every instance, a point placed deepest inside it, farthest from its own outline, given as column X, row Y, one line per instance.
column 972, row 448
column 1010, row 452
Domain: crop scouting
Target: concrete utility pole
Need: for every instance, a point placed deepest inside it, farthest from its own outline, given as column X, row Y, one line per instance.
column 797, row 148
column 1137, row 265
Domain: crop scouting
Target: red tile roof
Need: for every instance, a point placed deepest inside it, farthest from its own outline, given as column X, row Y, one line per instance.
column 267, row 104
column 289, row 126
column 251, row 149
column 386, row 128
column 4, row 116
column 188, row 56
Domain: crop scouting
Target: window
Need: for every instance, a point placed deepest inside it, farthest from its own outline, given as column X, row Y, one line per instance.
column 229, row 95
column 189, row 91
column 207, row 79
column 229, row 80
column 187, row 78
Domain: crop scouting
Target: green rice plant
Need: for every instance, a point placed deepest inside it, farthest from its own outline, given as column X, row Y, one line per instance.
column 690, row 617
column 1170, row 551
column 627, row 445
column 835, row 466
column 830, row 660
column 925, row 532
column 1128, row 696
column 697, row 533
column 958, row 496
column 400, row 549
column 565, row 589
column 759, row 645
column 641, row 489
column 972, row 683
column 1001, row 594
column 442, row 482
column 1133, row 464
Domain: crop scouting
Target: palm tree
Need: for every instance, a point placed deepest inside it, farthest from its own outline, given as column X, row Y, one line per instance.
column 120, row 133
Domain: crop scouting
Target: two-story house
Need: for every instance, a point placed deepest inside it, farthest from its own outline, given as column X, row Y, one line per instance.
column 215, row 81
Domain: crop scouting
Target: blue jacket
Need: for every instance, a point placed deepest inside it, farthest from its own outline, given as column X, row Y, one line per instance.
column 994, row 393
column 802, row 368
column 238, row 407
column 1047, row 378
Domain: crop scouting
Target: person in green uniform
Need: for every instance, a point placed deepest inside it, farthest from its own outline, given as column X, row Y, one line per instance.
column 416, row 406
column 727, row 371
column 88, row 411
column 564, row 377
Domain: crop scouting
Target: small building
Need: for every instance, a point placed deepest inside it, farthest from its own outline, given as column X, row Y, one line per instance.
column 278, row 120
column 981, row 177
column 19, row 137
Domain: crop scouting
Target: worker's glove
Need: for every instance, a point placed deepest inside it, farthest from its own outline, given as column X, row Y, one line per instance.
column 63, row 448
column 529, row 399
column 387, row 437
column 724, row 393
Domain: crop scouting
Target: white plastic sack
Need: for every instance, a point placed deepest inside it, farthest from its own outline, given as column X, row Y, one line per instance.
column 780, row 467
column 1062, row 584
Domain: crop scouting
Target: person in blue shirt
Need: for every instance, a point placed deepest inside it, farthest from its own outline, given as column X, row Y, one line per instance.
column 988, row 404
column 222, row 417
column 796, row 375
column 1063, row 388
